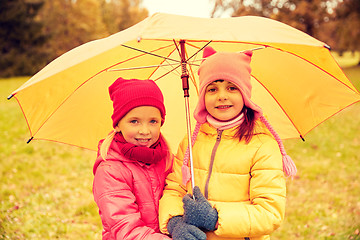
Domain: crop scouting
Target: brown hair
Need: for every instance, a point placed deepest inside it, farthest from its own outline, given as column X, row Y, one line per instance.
column 246, row 130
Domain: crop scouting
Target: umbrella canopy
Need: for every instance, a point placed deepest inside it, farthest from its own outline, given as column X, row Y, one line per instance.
column 295, row 79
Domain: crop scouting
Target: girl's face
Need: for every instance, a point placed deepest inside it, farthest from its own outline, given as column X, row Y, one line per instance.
column 223, row 100
column 141, row 126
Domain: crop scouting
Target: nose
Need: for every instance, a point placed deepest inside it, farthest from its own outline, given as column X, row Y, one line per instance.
column 222, row 95
column 144, row 129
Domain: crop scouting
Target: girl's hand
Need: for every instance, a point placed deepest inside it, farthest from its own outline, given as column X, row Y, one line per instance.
column 199, row 212
column 180, row 230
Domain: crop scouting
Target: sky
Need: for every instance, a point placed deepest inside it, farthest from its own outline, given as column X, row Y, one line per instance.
column 194, row 8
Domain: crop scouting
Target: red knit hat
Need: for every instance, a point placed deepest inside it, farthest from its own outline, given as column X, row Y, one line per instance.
column 127, row 94
column 229, row 66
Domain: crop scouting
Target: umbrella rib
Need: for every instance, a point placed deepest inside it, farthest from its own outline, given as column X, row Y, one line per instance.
column 166, row 58
column 326, row 72
column 172, row 64
column 26, row 120
column 177, row 48
column 150, row 66
column 253, row 49
column 150, row 53
column 168, row 72
column 199, row 50
column 301, row 136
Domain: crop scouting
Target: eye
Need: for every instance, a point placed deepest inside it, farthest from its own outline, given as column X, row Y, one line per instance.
column 154, row 121
column 211, row 89
column 134, row 121
column 233, row 88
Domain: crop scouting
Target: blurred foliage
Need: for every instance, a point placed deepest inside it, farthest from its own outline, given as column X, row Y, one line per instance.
column 69, row 24
column 348, row 25
column 335, row 22
column 121, row 14
column 21, row 38
column 35, row 32
column 72, row 23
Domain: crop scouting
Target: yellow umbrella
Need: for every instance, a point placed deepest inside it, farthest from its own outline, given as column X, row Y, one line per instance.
column 295, row 79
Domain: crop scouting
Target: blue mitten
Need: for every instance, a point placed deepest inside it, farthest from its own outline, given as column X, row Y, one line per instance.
column 180, row 230
column 199, row 212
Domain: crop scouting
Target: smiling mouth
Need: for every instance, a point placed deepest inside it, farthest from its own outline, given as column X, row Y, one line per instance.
column 223, row 106
column 143, row 140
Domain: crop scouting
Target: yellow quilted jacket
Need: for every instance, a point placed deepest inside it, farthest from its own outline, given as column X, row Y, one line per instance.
column 244, row 182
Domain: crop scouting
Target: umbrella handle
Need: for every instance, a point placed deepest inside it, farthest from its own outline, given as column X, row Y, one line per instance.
column 184, row 74
column 188, row 125
column 185, row 83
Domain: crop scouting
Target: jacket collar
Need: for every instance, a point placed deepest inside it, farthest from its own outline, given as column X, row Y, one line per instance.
column 260, row 128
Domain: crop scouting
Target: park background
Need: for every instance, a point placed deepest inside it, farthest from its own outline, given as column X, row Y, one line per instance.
column 45, row 187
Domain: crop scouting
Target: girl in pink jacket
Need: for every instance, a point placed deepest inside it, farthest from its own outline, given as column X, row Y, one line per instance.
column 132, row 163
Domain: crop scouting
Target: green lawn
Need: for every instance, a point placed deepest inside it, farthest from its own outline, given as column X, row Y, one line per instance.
column 45, row 188
column 324, row 200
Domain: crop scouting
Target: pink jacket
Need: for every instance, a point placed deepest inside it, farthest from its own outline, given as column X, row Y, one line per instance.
column 127, row 194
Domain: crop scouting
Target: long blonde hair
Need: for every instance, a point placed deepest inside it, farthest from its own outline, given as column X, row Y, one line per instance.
column 104, row 148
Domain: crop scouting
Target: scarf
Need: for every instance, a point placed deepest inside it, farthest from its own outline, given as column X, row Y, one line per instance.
column 147, row 155
column 226, row 124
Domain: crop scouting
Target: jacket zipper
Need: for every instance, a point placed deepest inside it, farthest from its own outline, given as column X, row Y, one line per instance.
column 218, row 138
column 146, row 172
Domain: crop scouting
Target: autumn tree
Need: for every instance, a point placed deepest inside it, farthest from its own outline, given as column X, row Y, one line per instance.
column 21, row 38
column 305, row 15
column 70, row 23
column 347, row 29
column 121, row 14
column 34, row 32
column 243, row 7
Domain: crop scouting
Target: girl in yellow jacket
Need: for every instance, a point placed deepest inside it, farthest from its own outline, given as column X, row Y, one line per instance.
column 238, row 161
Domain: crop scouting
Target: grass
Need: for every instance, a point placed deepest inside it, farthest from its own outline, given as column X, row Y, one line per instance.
column 347, row 59
column 323, row 201
column 45, row 188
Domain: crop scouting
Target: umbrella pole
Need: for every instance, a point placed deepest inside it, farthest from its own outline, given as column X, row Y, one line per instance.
column 185, row 83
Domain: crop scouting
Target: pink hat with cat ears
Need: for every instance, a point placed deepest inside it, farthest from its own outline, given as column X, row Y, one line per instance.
column 229, row 66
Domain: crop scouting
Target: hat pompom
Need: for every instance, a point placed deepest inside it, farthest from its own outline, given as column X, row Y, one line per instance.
column 289, row 166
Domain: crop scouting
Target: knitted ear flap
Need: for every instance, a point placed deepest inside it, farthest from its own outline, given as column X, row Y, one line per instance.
column 289, row 166
column 185, row 170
